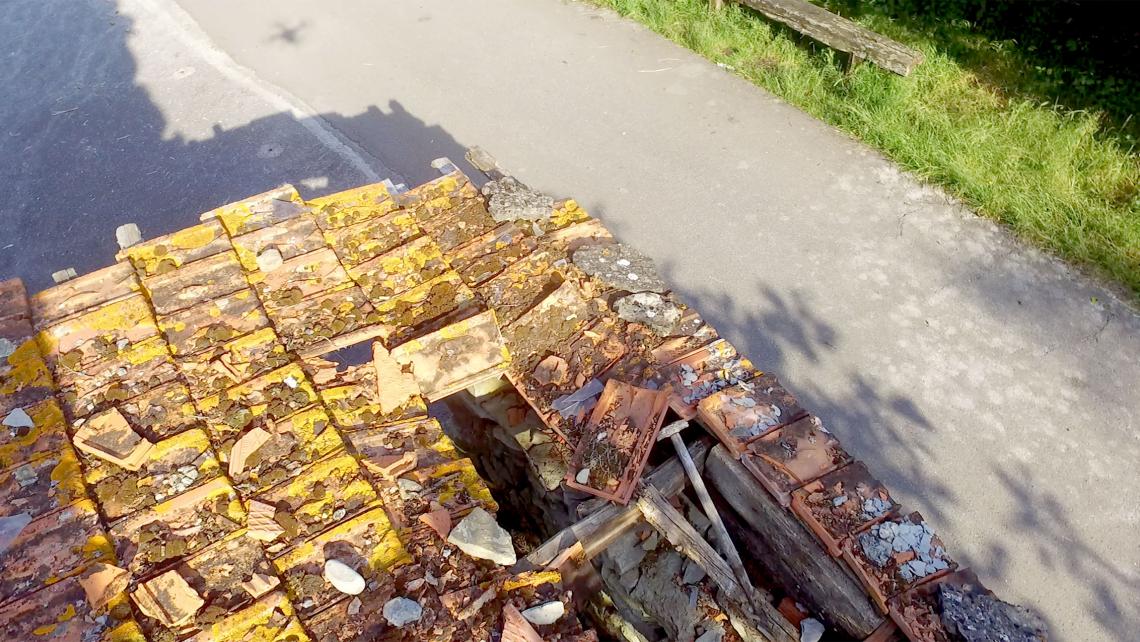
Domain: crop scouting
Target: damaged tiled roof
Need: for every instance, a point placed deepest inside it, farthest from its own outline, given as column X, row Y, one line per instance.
column 250, row 459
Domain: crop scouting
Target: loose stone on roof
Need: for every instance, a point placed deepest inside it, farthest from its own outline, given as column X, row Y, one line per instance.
column 620, row 267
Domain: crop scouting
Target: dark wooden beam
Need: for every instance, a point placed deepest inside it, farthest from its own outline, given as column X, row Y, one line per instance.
column 839, row 33
column 774, row 537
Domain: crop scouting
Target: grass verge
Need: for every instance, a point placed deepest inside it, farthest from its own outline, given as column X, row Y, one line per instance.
column 1058, row 178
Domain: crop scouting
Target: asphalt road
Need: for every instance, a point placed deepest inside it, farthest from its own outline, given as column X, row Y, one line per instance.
column 991, row 387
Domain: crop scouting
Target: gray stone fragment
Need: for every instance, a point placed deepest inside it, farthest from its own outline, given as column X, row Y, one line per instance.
column 11, row 527
column 582, row 399
column 625, row 553
column 400, row 611
column 621, row 267
column 6, row 348
column 480, row 536
column 713, row 631
column 19, row 418
column 693, row 573
column 511, row 200
column 650, row 309
column 811, row 630
column 128, row 235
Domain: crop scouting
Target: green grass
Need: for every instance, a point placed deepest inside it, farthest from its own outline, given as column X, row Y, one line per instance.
column 1060, row 179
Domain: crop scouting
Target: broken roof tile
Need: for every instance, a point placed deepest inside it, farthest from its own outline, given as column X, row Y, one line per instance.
column 160, row 412
column 614, row 447
column 60, row 612
column 194, row 283
column 236, row 361
column 253, row 213
column 842, row 503
column 794, row 455
column 744, row 412
column 172, row 251
column 275, row 395
column 703, row 372
column 455, row 356
column 269, row 619
column 156, row 536
column 172, row 466
column 316, row 498
column 43, row 485
column 83, row 292
column 379, row 447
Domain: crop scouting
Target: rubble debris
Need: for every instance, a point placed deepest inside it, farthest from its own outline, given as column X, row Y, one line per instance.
column 842, row 503
column 343, row 578
column 259, row 584
column 108, row 436
column 269, row 259
column 245, row 447
column 394, row 387
column 439, row 520
column 546, row 613
column 896, row 554
column 581, row 401
column 401, row 611
column 103, row 583
column 261, row 523
column 168, row 598
column 511, row 200
column 977, row 616
column 620, row 267
column 552, row 370
column 650, row 309
column 480, row 536
column 704, row 372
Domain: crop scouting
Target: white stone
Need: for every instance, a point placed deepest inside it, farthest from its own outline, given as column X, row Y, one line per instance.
column 343, row 578
column 400, row 611
column 269, row 260
column 480, row 536
column 19, row 419
column 547, row 613
column 583, row 476
column 811, row 630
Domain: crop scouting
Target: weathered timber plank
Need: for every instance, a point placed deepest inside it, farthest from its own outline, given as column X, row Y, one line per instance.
column 668, row 478
column 789, row 551
column 839, row 33
column 680, row 533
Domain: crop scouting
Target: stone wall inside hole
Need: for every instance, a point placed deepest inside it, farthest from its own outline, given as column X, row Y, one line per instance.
column 650, row 593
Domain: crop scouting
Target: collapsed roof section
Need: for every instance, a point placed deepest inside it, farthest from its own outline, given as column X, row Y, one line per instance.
column 191, row 451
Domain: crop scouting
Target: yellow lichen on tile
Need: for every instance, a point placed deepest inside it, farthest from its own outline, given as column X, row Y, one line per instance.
column 174, row 250
column 459, row 477
column 269, row 619
column 352, row 206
